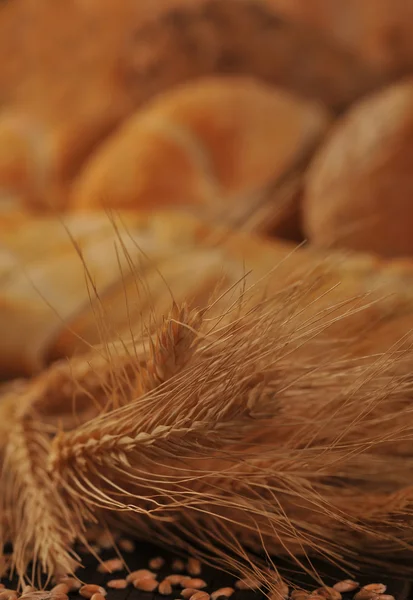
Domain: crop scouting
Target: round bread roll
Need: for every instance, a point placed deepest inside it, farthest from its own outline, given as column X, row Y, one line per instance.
column 71, row 81
column 217, row 143
column 359, row 188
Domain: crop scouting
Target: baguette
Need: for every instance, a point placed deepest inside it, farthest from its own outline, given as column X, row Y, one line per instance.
column 49, row 309
column 217, row 144
column 68, row 83
column 359, row 187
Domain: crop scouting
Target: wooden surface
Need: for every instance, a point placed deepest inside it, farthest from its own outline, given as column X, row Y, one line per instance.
column 399, row 588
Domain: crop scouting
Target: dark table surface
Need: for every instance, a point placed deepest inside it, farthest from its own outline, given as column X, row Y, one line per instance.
column 401, row 589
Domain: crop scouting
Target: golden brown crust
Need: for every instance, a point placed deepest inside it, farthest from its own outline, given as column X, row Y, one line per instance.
column 360, row 185
column 240, row 137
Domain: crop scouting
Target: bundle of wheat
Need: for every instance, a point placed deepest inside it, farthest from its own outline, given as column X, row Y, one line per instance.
column 221, row 436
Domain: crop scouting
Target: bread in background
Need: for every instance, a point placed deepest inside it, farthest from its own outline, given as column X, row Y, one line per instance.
column 216, row 145
column 359, row 188
column 73, row 71
column 379, row 32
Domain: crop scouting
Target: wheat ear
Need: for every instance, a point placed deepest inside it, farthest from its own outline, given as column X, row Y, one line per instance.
column 172, row 347
column 40, row 527
column 248, row 442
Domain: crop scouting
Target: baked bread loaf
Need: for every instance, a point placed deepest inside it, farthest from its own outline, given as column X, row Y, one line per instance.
column 378, row 31
column 51, row 306
column 359, row 189
column 219, row 145
column 66, row 83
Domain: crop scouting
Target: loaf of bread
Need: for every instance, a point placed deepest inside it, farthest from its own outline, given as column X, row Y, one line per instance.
column 378, row 31
column 91, row 279
column 359, row 189
column 218, row 144
column 67, row 83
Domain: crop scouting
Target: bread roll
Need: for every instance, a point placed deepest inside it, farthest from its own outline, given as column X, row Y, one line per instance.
column 359, row 191
column 218, row 144
column 50, row 307
column 70, row 81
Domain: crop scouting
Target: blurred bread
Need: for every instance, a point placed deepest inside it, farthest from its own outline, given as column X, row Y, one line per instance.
column 217, row 143
column 69, row 82
column 60, row 293
column 359, row 189
column 377, row 31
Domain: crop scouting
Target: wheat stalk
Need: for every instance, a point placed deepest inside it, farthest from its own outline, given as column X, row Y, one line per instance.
column 251, row 445
column 40, row 527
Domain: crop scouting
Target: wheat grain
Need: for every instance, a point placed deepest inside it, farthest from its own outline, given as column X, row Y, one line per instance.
column 117, row 584
column 111, row 565
column 178, row 565
column 247, row 584
column 225, row 591
column 126, row 545
column 156, row 563
column 88, row 590
column 347, row 585
column 194, row 567
column 165, row 588
column 140, row 574
column 145, row 584
column 193, row 583
column 329, row 593
column 188, row 593
column 60, row 588
column 200, row 596
column 377, row 588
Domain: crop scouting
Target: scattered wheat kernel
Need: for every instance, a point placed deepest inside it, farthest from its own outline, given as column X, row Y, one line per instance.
column 386, row 597
column 188, row 593
column 247, row 584
column 117, row 584
column 178, row 565
column 72, row 583
column 58, row 596
column 364, row 594
column 377, row 588
column 197, row 584
column 145, row 584
column 2, row 586
column 177, row 579
column 200, row 596
column 347, row 585
column 28, row 589
column 156, row 563
column 140, row 574
column 126, row 545
column 60, row 588
column 227, row 592
column 98, row 597
column 193, row 566
column 111, row 565
column 105, row 541
column 89, row 589
column 281, row 591
column 299, row 595
column 328, row 592
column 165, row 588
